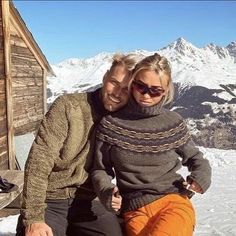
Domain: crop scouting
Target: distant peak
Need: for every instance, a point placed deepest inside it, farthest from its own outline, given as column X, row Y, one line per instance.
column 211, row 45
column 182, row 46
column 217, row 50
column 232, row 50
column 181, row 40
column 182, row 43
column 232, row 45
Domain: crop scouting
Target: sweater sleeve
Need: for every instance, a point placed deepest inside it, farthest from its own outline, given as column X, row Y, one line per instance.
column 198, row 166
column 103, row 173
column 45, row 148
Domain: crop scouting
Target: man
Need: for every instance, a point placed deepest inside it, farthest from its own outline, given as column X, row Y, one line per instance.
column 57, row 194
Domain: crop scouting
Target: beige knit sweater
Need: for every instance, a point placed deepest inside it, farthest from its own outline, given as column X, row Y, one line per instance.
column 61, row 155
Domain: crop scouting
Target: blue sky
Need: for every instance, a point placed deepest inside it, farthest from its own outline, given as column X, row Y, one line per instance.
column 65, row 29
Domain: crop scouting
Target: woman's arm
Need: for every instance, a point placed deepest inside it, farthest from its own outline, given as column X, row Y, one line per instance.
column 199, row 166
column 103, row 173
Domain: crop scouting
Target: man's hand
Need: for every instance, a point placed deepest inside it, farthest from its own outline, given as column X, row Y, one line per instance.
column 38, row 229
column 116, row 199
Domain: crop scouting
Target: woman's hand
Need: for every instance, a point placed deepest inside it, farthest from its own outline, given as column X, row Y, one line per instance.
column 116, row 199
column 193, row 186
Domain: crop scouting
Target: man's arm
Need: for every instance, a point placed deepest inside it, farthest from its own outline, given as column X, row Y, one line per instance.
column 46, row 147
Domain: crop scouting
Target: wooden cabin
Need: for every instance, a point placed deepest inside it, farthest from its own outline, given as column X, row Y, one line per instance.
column 23, row 72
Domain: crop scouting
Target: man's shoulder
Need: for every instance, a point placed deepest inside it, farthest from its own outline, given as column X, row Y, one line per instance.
column 71, row 98
column 68, row 101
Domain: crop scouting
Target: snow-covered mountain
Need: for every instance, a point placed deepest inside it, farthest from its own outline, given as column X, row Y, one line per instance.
column 209, row 66
column 205, row 81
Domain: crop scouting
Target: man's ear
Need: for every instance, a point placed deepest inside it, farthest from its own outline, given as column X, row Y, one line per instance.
column 105, row 76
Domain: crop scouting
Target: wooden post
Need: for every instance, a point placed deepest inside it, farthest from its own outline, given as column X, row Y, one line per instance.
column 7, row 61
column 44, row 91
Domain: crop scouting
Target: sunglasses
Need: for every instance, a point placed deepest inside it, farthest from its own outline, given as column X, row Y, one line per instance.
column 153, row 91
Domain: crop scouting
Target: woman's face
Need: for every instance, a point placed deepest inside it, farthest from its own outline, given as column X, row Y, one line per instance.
column 148, row 88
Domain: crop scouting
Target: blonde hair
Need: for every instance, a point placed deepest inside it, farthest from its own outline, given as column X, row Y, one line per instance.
column 128, row 61
column 160, row 65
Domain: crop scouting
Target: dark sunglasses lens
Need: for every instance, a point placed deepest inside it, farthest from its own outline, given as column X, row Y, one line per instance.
column 143, row 89
column 140, row 88
column 153, row 92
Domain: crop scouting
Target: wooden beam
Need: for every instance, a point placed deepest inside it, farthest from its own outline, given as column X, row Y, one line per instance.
column 7, row 62
column 44, row 92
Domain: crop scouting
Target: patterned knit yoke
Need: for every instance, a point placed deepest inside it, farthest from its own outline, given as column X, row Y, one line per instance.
column 144, row 129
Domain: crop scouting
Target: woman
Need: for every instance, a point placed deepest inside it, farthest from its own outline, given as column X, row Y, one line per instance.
column 146, row 144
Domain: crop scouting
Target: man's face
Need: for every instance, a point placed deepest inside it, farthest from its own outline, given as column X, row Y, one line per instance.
column 115, row 92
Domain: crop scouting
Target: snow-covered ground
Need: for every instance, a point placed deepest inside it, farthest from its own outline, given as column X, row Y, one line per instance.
column 215, row 210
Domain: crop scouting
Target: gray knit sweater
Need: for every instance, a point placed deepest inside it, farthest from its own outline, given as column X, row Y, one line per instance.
column 62, row 153
column 145, row 146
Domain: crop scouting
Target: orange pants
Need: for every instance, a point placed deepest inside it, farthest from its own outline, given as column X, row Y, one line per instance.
column 172, row 215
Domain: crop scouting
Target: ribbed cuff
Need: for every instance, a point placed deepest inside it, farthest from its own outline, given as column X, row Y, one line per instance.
column 203, row 181
column 105, row 197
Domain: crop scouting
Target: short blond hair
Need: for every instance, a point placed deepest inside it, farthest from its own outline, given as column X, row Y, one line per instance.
column 127, row 61
column 158, row 64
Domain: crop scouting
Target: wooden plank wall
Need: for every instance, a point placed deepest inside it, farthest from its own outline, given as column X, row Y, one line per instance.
column 27, row 86
column 3, row 111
